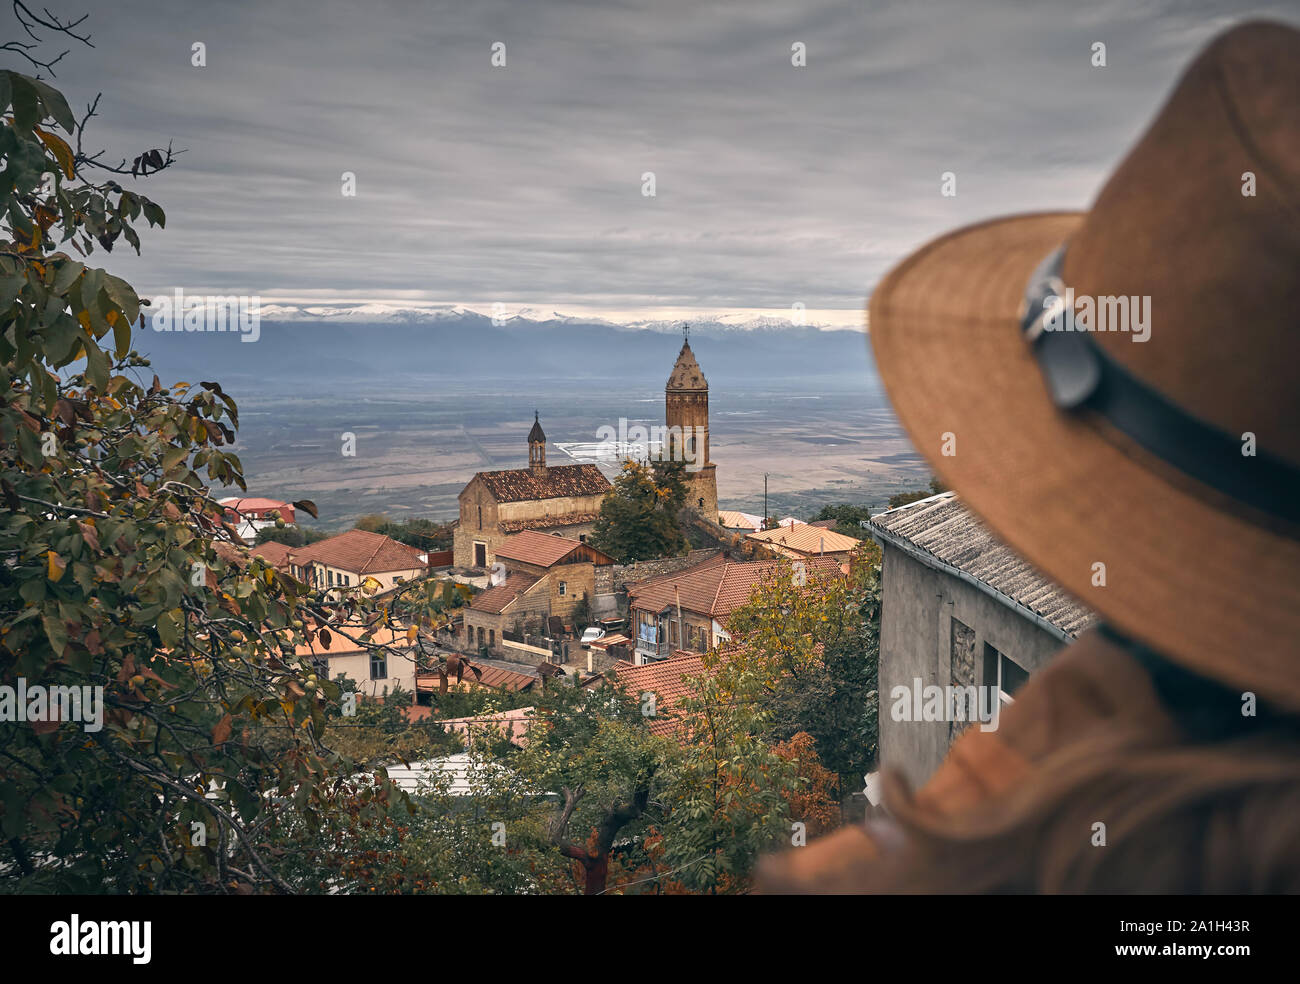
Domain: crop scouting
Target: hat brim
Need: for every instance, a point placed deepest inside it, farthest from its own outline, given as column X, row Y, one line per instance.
column 1204, row 586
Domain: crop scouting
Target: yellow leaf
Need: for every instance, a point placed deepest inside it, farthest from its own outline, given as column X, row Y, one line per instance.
column 55, row 565
column 61, row 151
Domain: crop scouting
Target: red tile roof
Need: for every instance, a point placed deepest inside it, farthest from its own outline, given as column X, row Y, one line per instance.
column 492, row 676
column 360, row 552
column 712, row 588
column 496, row 599
column 665, row 679
column 275, row 554
column 542, row 549
column 521, row 485
column 252, row 504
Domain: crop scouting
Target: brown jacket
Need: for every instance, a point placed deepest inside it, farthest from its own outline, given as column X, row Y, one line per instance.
column 1093, row 684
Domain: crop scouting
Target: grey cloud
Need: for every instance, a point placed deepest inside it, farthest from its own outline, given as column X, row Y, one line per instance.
column 522, row 185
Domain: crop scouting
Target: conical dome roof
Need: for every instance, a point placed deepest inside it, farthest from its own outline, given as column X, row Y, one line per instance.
column 536, row 435
column 687, row 374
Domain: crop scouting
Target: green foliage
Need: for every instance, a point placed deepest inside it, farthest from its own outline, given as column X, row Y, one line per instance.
column 730, row 789
column 110, row 579
column 817, row 647
column 423, row 533
column 848, row 519
column 903, row 498
column 290, row 536
column 638, row 516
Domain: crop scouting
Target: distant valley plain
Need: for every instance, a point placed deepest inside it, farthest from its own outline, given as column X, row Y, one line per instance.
column 430, row 405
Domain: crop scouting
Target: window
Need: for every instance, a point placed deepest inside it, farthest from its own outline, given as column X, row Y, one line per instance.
column 701, row 503
column 378, row 666
column 480, row 517
column 492, row 637
column 647, row 628
column 582, row 537
column 1005, row 674
column 564, row 588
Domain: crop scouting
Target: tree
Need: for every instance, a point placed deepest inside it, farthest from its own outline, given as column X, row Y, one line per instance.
column 196, row 727
column 595, row 751
column 638, row 516
column 903, row 498
column 423, row 533
column 728, row 802
column 290, row 536
column 848, row 519
column 816, row 645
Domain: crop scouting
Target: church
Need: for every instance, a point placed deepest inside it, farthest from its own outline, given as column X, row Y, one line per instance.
column 565, row 499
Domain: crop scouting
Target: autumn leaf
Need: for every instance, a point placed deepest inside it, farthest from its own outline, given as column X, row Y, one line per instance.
column 61, row 151
column 222, row 731
column 55, row 565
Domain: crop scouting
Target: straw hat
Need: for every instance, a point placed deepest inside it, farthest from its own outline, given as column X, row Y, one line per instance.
column 1084, row 448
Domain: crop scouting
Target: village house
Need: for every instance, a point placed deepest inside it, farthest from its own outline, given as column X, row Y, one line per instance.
column 799, row 542
column 250, row 515
column 739, row 522
column 496, row 504
column 959, row 609
column 354, row 559
column 544, row 577
column 689, row 609
column 375, row 672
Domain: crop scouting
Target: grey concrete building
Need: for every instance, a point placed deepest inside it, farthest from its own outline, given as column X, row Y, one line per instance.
column 959, row 610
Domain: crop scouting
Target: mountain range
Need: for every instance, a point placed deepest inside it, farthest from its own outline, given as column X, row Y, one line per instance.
column 373, row 346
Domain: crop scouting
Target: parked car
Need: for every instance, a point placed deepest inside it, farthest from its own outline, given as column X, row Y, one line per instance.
column 592, row 633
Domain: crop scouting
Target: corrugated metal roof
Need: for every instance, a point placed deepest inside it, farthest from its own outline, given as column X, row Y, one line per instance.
column 460, row 774
column 944, row 528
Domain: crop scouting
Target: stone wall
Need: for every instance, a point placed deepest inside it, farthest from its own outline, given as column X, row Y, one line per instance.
column 918, row 640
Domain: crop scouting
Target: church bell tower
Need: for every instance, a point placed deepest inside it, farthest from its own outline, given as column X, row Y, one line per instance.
column 537, row 448
column 686, row 412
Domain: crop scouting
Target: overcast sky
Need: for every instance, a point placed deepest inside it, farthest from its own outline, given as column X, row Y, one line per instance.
column 522, row 185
